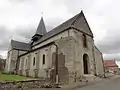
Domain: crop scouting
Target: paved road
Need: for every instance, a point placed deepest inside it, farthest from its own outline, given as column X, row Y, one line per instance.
column 105, row 85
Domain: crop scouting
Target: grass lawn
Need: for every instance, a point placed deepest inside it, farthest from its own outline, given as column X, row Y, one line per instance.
column 10, row 77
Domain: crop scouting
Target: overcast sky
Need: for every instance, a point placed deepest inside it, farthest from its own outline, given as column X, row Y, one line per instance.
column 19, row 20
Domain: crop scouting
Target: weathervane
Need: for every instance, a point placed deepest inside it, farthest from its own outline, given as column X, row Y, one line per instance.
column 42, row 14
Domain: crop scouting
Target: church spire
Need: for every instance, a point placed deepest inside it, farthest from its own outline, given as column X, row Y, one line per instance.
column 41, row 30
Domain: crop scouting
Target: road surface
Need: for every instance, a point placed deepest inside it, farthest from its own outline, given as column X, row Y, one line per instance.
column 113, row 84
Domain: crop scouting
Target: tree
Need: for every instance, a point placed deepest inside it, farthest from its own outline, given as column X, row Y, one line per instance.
column 1, row 57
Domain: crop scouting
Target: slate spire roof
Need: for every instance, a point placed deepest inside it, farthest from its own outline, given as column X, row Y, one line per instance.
column 41, row 30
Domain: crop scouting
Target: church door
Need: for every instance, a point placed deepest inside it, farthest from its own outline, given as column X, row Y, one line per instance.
column 85, row 63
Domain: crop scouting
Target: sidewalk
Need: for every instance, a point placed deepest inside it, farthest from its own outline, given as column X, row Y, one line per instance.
column 66, row 87
column 74, row 86
column 79, row 84
column 71, row 86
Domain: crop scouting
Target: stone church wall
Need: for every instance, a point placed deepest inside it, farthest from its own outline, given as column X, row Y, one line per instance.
column 11, row 61
column 38, row 54
column 66, row 48
column 70, row 56
column 81, row 50
column 8, row 61
column 39, row 68
column 99, row 62
column 72, row 48
column 61, row 35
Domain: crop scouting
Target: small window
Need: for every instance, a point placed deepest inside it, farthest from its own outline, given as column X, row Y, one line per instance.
column 84, row 41
column 43, row 59
column 33, row 61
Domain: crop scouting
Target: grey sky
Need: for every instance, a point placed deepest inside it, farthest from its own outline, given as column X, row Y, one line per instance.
column 19, row 20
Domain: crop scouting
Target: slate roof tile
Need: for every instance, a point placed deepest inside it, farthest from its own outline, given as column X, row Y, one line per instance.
column 20, row 45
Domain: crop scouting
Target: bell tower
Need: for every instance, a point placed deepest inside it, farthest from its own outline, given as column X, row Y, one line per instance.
column 41, row 30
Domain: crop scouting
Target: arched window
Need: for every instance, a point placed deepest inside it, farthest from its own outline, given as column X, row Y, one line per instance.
column 33, row 61
column 26, row 62
column 43, row 59
column 84, row 41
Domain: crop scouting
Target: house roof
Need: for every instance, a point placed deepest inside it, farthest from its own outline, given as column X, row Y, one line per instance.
column 110, row 63
column 20, row 45
column 41, row 30
column 74, row 22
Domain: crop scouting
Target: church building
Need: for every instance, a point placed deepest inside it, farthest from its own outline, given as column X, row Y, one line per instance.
column 64, row 53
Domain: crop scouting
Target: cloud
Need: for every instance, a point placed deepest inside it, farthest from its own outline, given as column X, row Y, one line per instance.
column 19, row 19
column 5, row 34
column 3, row 54
column 24, row 34
column 19, row 1
column 112, row 56
column 111, row 42
column 20, row 34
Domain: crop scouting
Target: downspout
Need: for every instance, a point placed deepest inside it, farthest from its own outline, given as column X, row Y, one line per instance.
column 56, row 62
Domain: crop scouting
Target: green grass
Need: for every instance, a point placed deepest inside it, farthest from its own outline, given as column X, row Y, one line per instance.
column 9, row 77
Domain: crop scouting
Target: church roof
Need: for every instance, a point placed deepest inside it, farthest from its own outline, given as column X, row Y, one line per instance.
column 41, row 30
column 20, row 45
column 78, row 22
